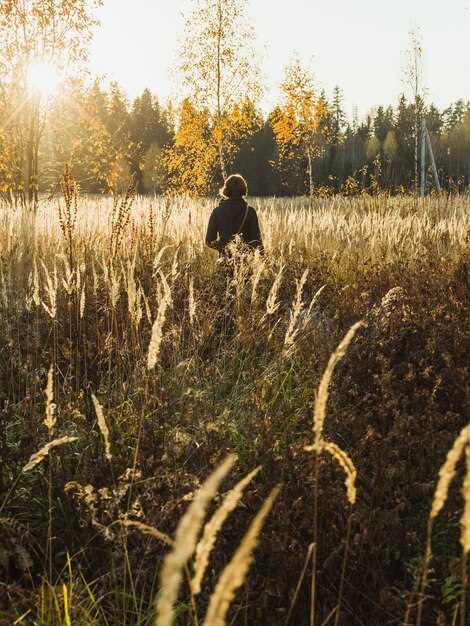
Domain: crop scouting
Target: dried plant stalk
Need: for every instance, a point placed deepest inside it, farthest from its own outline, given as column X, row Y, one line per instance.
column 446, row 475
column 51, row 289
column 315, row 300
column 258, row 268
column 348, row 468
column 103, row 427
column 234, row 574
column 82, row 302
column 35, row 283
column 465, row 538
column 41, row 454
column 157, row 335
column 322, row 395
column 292, row 330
column 157, row 328
column 447, row 471
column 51, row 418
column 191, row 302
column 185, row 543
column 148, row 530
column 272, row 304
column 465, row 519
column 213, row 526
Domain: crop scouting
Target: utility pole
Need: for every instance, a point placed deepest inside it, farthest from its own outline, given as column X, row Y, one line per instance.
column 426, row 142
column 433, row 161
column 423, row 158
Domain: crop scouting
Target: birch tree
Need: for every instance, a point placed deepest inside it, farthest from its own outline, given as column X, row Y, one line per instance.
column 414, row 80
column 219, row 64
column 37, row 36
column 299, row 122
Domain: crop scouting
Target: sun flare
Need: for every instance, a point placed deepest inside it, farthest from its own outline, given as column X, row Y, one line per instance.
column 43, row 77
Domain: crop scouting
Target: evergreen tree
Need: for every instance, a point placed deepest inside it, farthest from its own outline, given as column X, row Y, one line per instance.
column 338, row 116
column 118, row 119
column 404, row 128
column 149, row 126
column 383, row 123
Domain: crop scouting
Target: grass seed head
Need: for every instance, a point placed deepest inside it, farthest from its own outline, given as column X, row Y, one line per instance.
column 447, row 471
column 213, row 526
column 234, row 574
column 185, row 543
column 41, row 454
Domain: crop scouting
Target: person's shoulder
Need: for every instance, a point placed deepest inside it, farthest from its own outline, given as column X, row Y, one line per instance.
column 217, row 209
column 222, row 207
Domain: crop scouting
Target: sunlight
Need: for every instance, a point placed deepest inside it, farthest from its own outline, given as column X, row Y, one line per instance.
column 42, row 77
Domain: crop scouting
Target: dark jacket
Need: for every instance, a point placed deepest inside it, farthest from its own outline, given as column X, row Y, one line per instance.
column 226, row 221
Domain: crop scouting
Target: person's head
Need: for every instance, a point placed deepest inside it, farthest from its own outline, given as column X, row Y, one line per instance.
column 235, row 187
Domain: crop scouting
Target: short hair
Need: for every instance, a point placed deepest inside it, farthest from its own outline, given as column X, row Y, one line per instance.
column 234, row 187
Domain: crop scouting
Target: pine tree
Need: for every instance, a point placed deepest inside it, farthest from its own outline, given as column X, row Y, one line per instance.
column 118, row 119
column 338, row 116
column 383, row 123
column 149, row 126
column 404, row 128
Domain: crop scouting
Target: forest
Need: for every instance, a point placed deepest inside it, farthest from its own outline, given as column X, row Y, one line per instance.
column 108, row 140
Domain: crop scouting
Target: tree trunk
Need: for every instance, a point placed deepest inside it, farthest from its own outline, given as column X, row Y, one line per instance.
column 433, row 162
column 416, row 154
column 31, row 148
column 220, row 140
column 423, row 159
column 310, row 172
column 223, row 167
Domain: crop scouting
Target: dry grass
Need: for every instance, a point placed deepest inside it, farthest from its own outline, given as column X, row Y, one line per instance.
column 122, row 297
column 43, row 453
column 234, row 574
column 213, row 527
column 185, row 543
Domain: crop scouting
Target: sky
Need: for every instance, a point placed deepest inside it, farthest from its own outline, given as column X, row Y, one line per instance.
column 357, row 44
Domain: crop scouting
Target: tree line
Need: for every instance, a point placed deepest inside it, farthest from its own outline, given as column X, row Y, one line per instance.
column 108, row 141
column 305, row 145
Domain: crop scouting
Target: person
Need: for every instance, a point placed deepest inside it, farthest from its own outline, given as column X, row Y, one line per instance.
column 233, row 217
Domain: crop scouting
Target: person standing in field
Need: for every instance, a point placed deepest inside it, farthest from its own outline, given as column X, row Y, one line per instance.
column 233, row 217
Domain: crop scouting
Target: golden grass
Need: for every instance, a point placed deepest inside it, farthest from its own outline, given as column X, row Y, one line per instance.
column 447, row 471
column 185, row 543
column 157, row 328
column 347, row 465
column 136, row 260
column 43, row 453
column 446, row 475
column 321, row 399
column 103, row 427
column 148, row 530
column 234, row 573
column 212, row 529
column 465, row 519
column 50, row 418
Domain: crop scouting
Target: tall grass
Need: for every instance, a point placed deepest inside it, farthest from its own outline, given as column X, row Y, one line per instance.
column 118, row 299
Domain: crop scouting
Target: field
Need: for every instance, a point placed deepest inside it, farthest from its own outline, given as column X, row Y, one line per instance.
column 120, row 330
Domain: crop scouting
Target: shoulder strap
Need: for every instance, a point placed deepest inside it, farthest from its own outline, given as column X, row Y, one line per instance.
column 244, row 219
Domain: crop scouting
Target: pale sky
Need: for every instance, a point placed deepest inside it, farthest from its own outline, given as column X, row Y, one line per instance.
column 356, row 44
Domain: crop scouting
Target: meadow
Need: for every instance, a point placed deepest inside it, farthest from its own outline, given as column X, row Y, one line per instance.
column 145, row 364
